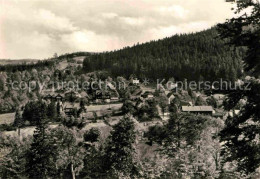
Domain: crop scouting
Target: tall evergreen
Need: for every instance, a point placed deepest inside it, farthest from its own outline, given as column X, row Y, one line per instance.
column 41, row 156
column 52, row 111
column 120, row 150
column 18, row 121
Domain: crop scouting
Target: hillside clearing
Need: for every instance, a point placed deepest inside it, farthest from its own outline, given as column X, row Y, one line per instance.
column 7, row 118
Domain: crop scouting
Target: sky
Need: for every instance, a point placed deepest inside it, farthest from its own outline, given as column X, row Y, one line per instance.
column 40, row 28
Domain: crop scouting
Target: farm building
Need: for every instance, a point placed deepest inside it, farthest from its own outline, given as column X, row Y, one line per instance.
column 208, row 110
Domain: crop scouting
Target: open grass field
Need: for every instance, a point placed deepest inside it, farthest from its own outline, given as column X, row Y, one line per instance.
column 26, row 131
column 92, row 108
column 15, row 62
column 80, row 58
column 7, row 118
column 62, row 65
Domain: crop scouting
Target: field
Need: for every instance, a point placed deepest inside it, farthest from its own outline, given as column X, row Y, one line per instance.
column 92, row 108
column 62, row 65
column 80, row 58
column 7, row 118
column 14, row 62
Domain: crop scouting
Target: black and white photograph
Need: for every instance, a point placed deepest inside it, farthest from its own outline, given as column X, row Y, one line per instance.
column 129, row 89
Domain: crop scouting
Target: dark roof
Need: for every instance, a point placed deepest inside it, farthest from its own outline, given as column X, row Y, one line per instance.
column 60, row 95
column 185, row 103
column 48, row 96
column 169, row 94
column 217, row 114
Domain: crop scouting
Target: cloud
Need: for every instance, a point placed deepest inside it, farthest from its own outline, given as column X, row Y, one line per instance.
column 133, row 21
column 50, row 20
column 174, row 10
column 109, row 15
column 38, row 29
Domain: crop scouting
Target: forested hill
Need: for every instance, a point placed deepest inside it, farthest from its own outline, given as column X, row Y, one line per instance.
column 196, row 56
column 8, row 65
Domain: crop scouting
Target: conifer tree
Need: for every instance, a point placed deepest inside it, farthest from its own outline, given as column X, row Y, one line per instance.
column 18, row 121
column 41, row 156
column 120, row 150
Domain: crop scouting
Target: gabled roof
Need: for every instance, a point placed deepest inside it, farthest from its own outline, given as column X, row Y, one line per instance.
column 137, row 91
column 111, row 86
column 48, row 96
column 197, row 108
column 71, row 105
column 60, row 95
column 170, row 94
column 84, row 94
column 185, row 103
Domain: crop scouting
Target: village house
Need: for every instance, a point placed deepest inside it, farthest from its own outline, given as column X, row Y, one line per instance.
column 59, row 98
column 48, row 97
column 186, row 103
column 136, row 93
column 134, row 81
column 54, row 97
column 110, row 86
column 234, row 112
column 69, row 108
column 114, row 99
column 101, row 95
column 207, row 110
column 171, row 85
column 84, row 94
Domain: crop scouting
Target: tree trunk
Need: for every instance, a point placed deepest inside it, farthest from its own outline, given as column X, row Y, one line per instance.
column 179, row 135
column 72, row 171
column 19, row 132
column 216, row 160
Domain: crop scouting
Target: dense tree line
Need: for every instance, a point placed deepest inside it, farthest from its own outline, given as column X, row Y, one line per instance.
column 196, row 56
column 74, row 54
column 24, row 66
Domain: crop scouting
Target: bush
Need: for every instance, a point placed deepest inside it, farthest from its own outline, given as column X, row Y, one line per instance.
column 7, row 127
column 92, row 135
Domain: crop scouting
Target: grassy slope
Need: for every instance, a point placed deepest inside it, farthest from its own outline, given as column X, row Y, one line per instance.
column 7, row 118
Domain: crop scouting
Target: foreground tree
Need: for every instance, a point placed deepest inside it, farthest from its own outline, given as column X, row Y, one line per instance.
column 241, row 133
column 52, row 111
column 70, row 153
column 42, row 154
column 178, row 140
column 18, row 121
column 92, row 135
column 12, row 156
column 120, row 150
column 31, row 112
column 94, row 157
